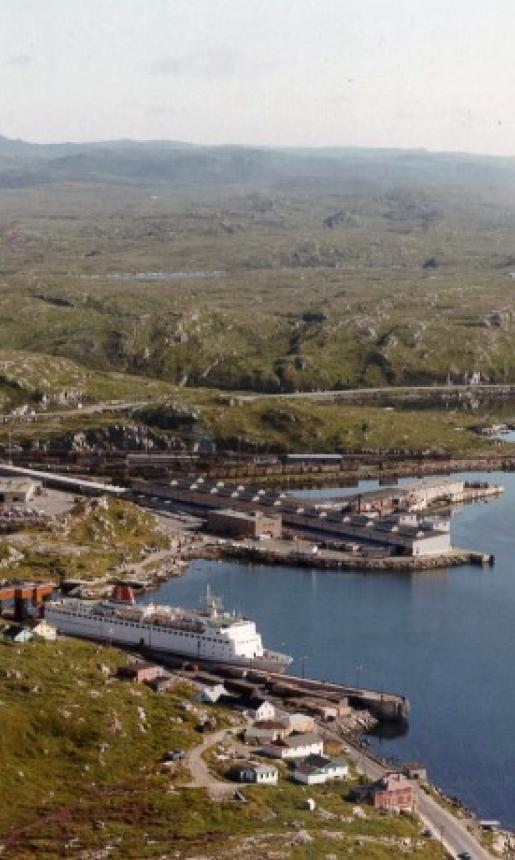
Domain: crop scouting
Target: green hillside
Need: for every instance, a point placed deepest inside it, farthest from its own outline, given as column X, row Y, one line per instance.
column 272, row 288
column 82, row 769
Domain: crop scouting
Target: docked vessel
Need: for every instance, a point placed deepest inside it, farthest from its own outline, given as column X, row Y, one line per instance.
column 209, row 634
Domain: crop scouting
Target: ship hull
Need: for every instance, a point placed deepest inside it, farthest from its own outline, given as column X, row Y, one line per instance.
column 162, row 644
column 178, row 658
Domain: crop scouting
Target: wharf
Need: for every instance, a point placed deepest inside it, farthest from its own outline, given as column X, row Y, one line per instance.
column 391, row 707
column 332, row 560
column 384, row 706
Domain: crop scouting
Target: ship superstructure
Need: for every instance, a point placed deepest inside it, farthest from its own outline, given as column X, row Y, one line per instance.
column 206, row 634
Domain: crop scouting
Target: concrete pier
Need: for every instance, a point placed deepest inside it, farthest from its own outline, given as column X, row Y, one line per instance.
column 385, row 706
column 390, row 707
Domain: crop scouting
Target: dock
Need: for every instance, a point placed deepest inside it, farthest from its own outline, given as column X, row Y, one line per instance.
column 383, row 705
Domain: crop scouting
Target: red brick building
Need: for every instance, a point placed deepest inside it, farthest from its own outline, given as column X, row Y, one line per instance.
column 393, row 792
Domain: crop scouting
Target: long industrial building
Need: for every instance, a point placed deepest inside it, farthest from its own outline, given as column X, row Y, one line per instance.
column 399, row 534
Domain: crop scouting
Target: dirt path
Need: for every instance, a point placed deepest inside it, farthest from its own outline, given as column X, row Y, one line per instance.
column 143, row 567
column 200, row 775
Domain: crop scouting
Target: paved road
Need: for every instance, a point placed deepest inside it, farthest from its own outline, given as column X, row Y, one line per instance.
column 95, row 408
column 445, row 826
column 352, row 393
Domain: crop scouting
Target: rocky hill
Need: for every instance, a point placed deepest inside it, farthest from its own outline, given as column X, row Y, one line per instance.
column 265, row 270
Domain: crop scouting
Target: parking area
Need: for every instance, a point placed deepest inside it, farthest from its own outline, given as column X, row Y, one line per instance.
column 52, row 502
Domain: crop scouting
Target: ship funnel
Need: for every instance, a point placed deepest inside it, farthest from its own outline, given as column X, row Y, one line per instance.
column 123, row 594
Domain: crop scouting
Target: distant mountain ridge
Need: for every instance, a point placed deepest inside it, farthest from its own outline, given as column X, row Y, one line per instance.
column 143, row 162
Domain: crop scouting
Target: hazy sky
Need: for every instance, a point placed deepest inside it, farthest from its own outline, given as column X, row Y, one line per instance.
column 413, row 73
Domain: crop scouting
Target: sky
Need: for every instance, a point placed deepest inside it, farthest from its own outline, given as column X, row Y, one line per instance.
column 437, row 74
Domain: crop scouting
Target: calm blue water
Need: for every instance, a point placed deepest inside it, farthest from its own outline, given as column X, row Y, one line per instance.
column 446, row 639
column 509, row 436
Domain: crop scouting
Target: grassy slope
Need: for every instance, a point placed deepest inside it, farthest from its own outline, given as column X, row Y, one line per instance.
column 80, row 766
column 298, row 306
column 385, row 318
column 25, row 376
column 282, row 424
column 87, row 543
column 304, row 425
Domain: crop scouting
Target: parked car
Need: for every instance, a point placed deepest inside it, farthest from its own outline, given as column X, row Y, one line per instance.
column 174, row 755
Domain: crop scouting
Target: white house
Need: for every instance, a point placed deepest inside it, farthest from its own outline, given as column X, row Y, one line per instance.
column 295, row 746
column 266, row 774
column 317, row 769
column 44, row 630
column 261, row 774
column 261, row 709
column 210, row 693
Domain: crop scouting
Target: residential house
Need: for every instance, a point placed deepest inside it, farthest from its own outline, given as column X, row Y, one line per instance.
column 301, row 723
column 266, row 731
column 19, row 634
column 211, row 692
column 261, row 709
column 44, row 630
column 261, row 774
column 317, row 769
column 394, row 792
column 296, row 745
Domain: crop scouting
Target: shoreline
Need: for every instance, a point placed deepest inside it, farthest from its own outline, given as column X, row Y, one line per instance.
column 408, row 564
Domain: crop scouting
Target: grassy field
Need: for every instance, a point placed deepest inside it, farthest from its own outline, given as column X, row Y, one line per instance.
column 273, row 424
column 410, row 283
column 306, row 425
column 344, row 270
column 81, row 768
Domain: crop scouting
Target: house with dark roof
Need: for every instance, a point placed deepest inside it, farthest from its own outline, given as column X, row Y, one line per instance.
column 261, row 709
column 318, row 769
column 260, row 774
column 266, row 731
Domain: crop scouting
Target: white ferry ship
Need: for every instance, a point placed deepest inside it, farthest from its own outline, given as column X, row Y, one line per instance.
column 208, row 634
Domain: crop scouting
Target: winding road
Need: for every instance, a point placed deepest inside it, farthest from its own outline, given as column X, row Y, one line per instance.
column 452, row 832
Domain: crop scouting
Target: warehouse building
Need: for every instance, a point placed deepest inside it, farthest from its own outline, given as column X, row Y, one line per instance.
column 409, row 497
column 14, row 490
column 252, row 524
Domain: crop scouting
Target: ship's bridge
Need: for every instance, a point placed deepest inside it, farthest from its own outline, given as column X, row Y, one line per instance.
column 247, row 641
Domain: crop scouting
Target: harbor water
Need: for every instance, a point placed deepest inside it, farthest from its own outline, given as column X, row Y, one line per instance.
column 444, row 638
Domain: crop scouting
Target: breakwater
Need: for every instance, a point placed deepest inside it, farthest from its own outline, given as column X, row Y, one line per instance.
column 343, row 561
